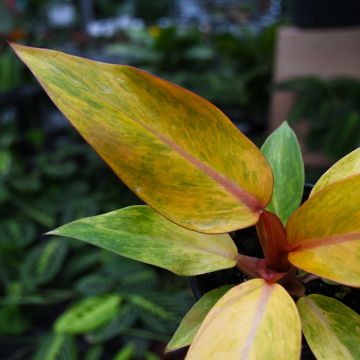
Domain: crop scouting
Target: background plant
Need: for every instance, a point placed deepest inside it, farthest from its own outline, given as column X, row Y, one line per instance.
column 44, row 182
column 332, row 110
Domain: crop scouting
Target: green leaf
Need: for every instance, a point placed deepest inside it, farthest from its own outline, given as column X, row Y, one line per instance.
column 94, row 284
column 282, row 151
column 151, row 356
column 15, row 234
column 140, row 233
column 192, row 321
column 151, row 307
column 94, row 353
column 126, row 353
column 122, row 321
column 5, row 162
column 32, row 211
column 331, row 329
column 88, row 315
column 57, row 347
column 43, row 263
column 12, row 321
column 84, row 262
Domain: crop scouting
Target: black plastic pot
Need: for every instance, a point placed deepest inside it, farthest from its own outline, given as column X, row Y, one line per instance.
column 326, row 13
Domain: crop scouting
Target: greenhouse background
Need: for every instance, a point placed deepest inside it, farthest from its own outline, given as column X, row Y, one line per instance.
column 260, row 62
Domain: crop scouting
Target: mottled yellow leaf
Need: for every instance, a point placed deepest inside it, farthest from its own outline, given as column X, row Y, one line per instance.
column 254, row 320
column 324, row 233
column 331, row 329
column 347, row 166
column 174, row 149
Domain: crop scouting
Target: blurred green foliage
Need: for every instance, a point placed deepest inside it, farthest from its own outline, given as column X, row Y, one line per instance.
column 229, row 70
column 332, row 109
column 11, row 72
column 45, row 282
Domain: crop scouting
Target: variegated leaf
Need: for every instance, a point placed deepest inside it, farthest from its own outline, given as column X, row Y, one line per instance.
column 347, row 166
column 254, row 320
column 331, row 329
column 140, row 233
column 174, row 149
column 190, row 324
column 324, row 233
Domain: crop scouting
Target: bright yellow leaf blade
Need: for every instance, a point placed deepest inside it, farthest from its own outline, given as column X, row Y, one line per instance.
column 347, row 166
column 332, row 329
column 174, row 149
column 324, row 233
column 254, row 320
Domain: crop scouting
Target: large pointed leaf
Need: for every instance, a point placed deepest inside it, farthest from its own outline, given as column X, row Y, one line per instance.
column 283, row 153
column 190, row 324
column 324, row 233
column 254, row 320
column 140, row 233
column 347, row 166
column 331, row 329
column 177, row 151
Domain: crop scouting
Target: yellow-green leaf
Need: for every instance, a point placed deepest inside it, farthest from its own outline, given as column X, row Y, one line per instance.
column 126, row 353
column 324, row 233
column 254, row 320
column 347, row 166
column 140, row 233
column 331, row 329
column 88, row 314
column 190, row 324
column 283, row 153
column 174, row 149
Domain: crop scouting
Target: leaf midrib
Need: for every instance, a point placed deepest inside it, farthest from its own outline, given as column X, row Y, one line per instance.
column 125, row 234
column 322, row 319
column 325, row 241
column 246, row 198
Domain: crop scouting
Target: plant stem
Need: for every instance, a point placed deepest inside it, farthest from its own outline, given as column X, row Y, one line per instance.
column 272, row 236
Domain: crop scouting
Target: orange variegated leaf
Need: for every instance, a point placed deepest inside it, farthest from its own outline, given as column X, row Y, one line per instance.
column 174, row 149
column 254, row 320
column 324, row 233
column 347, row 166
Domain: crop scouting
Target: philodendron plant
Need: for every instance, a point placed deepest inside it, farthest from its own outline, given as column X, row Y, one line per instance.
column 203, row 179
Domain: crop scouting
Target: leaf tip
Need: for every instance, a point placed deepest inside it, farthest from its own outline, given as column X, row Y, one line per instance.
column 16, row 47
column 52, row 232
